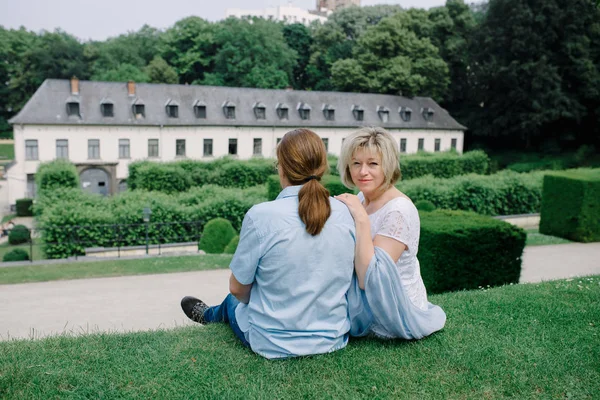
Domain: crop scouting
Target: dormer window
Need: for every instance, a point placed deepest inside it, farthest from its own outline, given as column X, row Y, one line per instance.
column 282, row 111
column 106, row 107
column 427, row 113
column 138, row 109
column 358, row 112
column 405, row 113
column 304, row 111
column 329, row 112
column 260, row 110
column 200, row 109
column 384, row 113
column 172, row 108
column 229, row 109
column 73, row 106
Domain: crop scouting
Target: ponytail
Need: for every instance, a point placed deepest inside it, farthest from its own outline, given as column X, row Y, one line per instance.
column 314, row 208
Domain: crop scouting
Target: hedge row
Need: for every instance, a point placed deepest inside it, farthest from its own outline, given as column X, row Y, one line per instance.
column 331, row 183
column 56, row 174
column 71, row 220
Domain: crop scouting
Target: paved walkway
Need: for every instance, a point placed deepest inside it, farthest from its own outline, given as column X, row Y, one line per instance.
column 147, row 302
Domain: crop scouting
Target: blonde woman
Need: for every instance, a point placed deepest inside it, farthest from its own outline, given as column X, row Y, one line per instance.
column 389, row 298
column 293, row 266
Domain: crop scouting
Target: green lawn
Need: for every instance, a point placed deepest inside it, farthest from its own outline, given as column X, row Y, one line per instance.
column 535, row 341
column 535, row 238
column 7, row 151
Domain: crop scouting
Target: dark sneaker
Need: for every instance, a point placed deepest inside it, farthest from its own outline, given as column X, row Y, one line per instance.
column 194, row 309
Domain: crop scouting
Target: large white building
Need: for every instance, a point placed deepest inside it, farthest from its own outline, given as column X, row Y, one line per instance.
column 288, row 14
column 103, row 126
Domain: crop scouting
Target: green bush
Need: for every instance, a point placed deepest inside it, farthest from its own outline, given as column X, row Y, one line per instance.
column 16, row 255
column 444, row 165
column 216, row 236
column 334, row 185
column 24, row 207
column 571, row 205
column 56, row 174
column 167, row 178
column 232, row 245
column 273, row 187
column 461, row 250
column 19, row 234
column 424, row 205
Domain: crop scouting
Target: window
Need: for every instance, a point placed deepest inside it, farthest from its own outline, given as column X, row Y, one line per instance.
column 107, row 109
column 260, row 111
column 405, row 113
column 403, row 145
column 31, row 149
column 31, row 186
column 139, row 110
column 124, row 148
column 208, row 147
column 329, row 112
column 304, row 111
column 180, row 147
column 257, row 151
column 229, row 109
column 62, row 148
column 421, row 144
column 437, row 144
column 384, row 113
column 453, row 144
column 73, row 108
column 358, row 113
column 233, row 146
column 200, row 110
column 282, row 110
column 152, row 147
column 173, row 111
column 427, row 113
column 326, row 143
column 94, row 149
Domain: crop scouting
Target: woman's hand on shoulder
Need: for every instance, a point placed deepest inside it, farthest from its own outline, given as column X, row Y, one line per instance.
column 354, row 205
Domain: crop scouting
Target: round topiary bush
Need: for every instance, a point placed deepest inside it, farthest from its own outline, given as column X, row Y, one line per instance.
column 232, row 245
column 19, row 234
column 16, row 255
column 217, row 234
column 425, row 205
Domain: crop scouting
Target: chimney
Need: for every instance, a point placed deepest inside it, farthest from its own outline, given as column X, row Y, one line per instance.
column 131, row 88
column 74, row 85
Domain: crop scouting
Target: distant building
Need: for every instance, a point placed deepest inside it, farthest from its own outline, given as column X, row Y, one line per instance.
column 333, row 5
column 101, row 127
column 288, row 14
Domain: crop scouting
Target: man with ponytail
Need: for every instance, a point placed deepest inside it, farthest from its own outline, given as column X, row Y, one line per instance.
column 293, row 265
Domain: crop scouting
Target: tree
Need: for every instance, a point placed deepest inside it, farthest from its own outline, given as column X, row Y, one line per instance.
column 122, row 73
column 298, row 38
column 160, row 72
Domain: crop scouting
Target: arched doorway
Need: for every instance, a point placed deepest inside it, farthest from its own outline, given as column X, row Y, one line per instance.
column 95, row 180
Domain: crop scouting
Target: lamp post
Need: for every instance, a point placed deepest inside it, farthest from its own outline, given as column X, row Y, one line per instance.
column 146, row 215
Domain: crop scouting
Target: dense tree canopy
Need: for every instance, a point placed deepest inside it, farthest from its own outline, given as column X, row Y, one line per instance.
column 518, row 73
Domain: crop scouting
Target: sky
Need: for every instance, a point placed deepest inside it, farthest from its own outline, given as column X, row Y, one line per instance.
column 100, row 19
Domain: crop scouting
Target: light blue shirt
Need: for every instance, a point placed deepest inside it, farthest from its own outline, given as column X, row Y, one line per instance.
column 298, row 302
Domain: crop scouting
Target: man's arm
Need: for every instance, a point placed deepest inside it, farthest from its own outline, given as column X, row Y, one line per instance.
column 239, row 291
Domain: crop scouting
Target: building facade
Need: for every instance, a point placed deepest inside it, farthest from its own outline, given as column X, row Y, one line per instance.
column 103, row 126
column 333, row 5
column 288, row 14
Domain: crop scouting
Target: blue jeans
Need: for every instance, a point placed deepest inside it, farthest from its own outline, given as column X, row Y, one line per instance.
column 225, row 312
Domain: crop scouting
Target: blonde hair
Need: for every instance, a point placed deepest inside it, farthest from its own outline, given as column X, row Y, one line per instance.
column 373, row 139
column 303, row 160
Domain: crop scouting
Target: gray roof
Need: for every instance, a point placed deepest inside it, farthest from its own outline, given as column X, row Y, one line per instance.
column 48, row 106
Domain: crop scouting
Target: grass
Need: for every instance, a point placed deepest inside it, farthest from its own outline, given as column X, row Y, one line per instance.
column 535, row 238
column 38, row 253
column 534, row 341
column 96, row 269
column 8, row 217
column 7, row 151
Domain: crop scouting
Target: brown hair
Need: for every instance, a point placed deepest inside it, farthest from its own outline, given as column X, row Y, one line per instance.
column 303, row 160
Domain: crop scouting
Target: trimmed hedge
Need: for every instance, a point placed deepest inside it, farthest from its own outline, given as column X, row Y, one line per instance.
column 56, row 174
column 216, row 236
column 24, row 207
column 424, row 205
column 16, row 255
column 163, row 177
column 71, row 220
column 462, row 250
column 444, row 165
column 571, row 205
column 232, row 245
column 19, row 234
column 331, row 183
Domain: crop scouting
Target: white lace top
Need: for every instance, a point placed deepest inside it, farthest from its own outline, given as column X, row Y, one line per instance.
column 399, row 220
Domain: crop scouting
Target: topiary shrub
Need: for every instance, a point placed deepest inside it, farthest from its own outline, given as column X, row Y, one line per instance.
column 19, row 234
column 463, row 250
column 232, row 245
column 425, row 205
column 216, row 235
column 571, row 205
column 56, row 174
column 16, row 255
column 24, row 207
